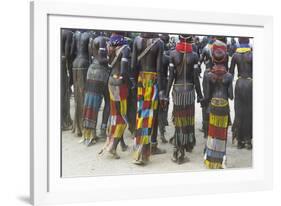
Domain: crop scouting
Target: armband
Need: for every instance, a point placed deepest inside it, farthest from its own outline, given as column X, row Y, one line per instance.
column 124, row 60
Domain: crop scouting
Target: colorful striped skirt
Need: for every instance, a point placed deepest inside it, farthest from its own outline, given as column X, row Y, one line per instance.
column 95, row 86
column 147, row 105
column 118, row 112
column 183, row 116
column 92, row 103
column 215, row 152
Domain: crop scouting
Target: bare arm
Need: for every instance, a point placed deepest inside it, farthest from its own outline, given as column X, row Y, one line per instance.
column 230, row 87
column 102, row 53
column 90, row 48
column 68, row 53
column 125, row 61
column 226, row 64
column 171, row 77
column 134, row 56
column 73, row 47
column 134, row 62
column 208, row 88
column 203, row 56
column 196, row 75
column 88, row 40
column 159, row 67
column 233, row 64
column 68, row 44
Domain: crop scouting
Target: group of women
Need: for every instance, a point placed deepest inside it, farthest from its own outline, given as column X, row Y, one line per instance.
column 135, row 72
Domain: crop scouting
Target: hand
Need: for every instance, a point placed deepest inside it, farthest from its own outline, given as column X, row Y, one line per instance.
column 166, row 105
column 202, row 101
column 199, row 99
column 197, row 70
column 121, row 77
column 162, row 104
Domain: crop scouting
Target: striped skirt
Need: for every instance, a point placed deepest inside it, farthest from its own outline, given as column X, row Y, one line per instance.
column 215, row 152
column 95, row 86
column 183, row 116
column 147, row 105
column 92, row 103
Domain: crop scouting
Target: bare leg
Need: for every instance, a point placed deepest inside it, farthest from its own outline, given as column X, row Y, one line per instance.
column 105, row 115
column 123, row 144
column 112, row 150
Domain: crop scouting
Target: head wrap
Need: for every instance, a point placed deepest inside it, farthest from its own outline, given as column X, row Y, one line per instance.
column 117, row 40
column 219, row 52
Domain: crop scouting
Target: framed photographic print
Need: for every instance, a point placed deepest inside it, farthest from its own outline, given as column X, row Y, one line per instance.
column 155, row 105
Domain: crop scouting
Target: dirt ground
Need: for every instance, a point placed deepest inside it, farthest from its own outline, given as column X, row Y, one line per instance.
column 79, row 160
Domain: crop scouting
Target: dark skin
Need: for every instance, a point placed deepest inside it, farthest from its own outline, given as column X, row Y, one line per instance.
column 66, row 40
column 120, row 70
column 197, row 44
column 232, row 47
column 98, row 51
column 132, row 96
column 206, row 57
column 181, row 74
column 121, row 67
column 243, row 97
column 152, row 62
column 79, row 48
column 176, row 73
column 163, row 112
column 243, row 61
column 219, row 87
column 166, row 60
column 203, row 43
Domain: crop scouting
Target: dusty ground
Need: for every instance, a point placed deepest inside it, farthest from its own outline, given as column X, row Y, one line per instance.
column 79, row 160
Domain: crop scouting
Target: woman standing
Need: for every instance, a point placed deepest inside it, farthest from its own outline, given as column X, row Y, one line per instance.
column 219, row 90
column 119, row 53
column 184, row 76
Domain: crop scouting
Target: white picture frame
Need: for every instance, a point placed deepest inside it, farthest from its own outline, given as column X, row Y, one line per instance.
column 46, row 184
